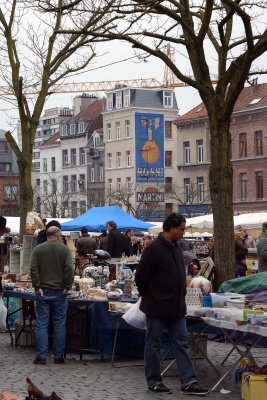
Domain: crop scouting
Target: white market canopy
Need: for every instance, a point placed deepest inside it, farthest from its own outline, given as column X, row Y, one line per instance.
column 249, row 221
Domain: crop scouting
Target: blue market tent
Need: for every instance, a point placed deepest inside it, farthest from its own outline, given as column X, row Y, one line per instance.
column 96, row 218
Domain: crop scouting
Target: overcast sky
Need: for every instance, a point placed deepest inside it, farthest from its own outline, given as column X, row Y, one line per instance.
column 187, row 97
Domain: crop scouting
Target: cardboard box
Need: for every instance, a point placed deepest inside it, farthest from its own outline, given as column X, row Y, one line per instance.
column 255, row 388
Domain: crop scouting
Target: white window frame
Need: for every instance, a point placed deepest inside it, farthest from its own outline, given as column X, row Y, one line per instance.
column 65, row 157
column 101, row 173
column 186, row 190
column 119, row 99
column 109, row 184
column 10, row 192
column 65, row 130
column 200, row 151
column 73, row 156
column 167, row 99
column 128, row 158
column 118, row 159
column 126, row 98
column 109, row 133
column 128, row 182
column 127, row 129
column 200, row 189
column 109, row 160
column 186, row 153
column 44, row 164
column 109, row 101
column 118, row 186
column 118, row 130
column 81, row 127
column 92, row 173
column 72, row 128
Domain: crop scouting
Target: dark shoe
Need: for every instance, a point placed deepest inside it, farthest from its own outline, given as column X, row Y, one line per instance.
column 59, row 360
column 160, row 388
column 194, row 388
column 39, row 360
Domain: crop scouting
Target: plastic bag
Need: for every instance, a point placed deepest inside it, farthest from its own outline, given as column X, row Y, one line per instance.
column 135, row 317
column 3, row 314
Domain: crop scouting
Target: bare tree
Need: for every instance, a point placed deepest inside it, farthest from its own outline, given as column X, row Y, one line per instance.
column 190, row 198
column 228, row 35
column 33, row 59
column 125, row 197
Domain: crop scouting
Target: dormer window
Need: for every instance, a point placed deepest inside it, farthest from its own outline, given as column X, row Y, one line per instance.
column 119, row 100
column 109, row 101
column 126, row 98
column 167, row 99
column 81, row 127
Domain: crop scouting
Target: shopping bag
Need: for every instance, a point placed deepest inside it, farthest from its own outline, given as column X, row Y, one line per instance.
column 135, row 317
column 3, row 314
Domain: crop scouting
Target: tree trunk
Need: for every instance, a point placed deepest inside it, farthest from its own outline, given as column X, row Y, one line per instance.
column 221, row 191
column 26, row 192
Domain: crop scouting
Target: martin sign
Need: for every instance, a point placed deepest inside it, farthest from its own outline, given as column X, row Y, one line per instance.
column 150, row 197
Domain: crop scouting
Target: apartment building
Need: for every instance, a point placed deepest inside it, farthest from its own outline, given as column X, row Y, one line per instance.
column 140, row 150
column 249, row 153
column 9, row 179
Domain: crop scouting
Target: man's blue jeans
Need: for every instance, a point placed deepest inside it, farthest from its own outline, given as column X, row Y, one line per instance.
column 54, row 303
column 179, row 338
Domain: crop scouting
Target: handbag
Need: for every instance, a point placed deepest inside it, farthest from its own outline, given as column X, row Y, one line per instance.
column 135, row 317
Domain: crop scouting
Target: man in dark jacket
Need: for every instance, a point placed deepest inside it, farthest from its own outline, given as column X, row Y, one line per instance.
column 240, row 264
column 128, row 247
column 160, row 278
column 85, row 242
column 115, row 240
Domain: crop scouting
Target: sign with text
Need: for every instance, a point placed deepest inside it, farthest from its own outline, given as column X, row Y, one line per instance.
column 149, row 147
column 150, row 197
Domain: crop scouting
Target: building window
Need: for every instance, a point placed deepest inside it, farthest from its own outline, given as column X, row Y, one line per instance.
column 109, row 101
column 186, row 190
column 186, row 152
column 82, row 207
column 65, row 184
column 127, row 129
column 109, row 184
column 118, row 130
column 200, row 151
column 65, row 130
column 168, row 208
column 54, row 186
column 65, row 157
column 53, row 164
column 128, row 158
column 81, row 183
column 258, row 143
column 200, row 189
column 72, row 128
column 118, row 183
column 168, row 184
column 244, row 186
column 118, row 160
column 168, row 130
column 259, row 185
column 45, row 186
column 118, row 99
column 82, row 156
column 128, row 182
column 38, row 204
column 38, row 182
column 44, row 164
column 242, row 145
column 101, row 173
column 126, row 98
column 81, row 127
column 36, row 155
column 109, row 133
column 73, row 184
column 109, row 160
column 10, row 192
column 168, row 158
column 74, row 209
column 92, row 174
column 6, row 167
column 167, row 98
column 73, row 159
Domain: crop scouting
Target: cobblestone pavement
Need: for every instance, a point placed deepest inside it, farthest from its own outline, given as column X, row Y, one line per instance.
column 93, row 379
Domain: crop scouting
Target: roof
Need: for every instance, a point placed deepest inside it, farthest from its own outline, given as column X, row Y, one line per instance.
column 92, row 112
column 251, row 98
column 2, row 134
column 52, row 140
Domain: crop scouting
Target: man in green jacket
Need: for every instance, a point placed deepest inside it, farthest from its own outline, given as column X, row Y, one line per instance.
column 52, row 276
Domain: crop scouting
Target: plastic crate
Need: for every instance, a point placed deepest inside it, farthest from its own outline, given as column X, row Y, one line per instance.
column 255, row 388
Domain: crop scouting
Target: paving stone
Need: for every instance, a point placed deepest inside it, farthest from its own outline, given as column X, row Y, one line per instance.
column 98, row 380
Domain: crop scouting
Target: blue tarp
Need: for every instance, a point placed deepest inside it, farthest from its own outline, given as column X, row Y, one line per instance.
column 96, row 218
